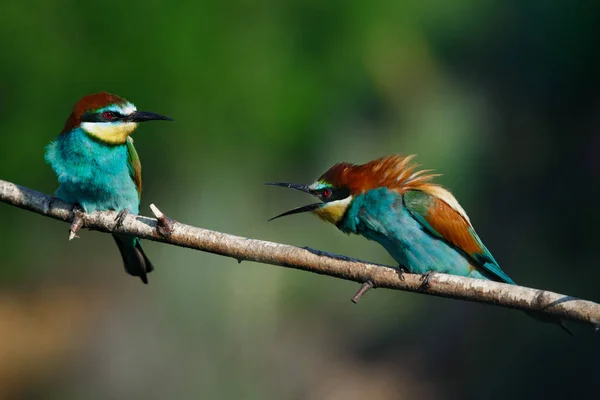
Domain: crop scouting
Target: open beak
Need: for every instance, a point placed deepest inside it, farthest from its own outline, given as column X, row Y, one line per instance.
column 143, row 116
column 302, row 188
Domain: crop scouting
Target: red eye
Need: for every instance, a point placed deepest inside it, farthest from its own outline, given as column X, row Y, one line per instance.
column 108, row 115
column 326, row 192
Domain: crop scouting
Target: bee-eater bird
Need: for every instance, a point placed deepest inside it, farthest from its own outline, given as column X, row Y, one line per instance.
column 98, row 167
column 418, row 222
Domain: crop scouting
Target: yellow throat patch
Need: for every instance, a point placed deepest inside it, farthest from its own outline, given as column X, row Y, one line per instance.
column 110, row 133
column 333, row 211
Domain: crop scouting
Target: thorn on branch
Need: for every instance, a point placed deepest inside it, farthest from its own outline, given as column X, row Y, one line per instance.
column 77, row 223
column 368, row 285
column 165, row 224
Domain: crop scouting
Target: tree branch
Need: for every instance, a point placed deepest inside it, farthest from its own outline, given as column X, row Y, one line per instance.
column 166, row 230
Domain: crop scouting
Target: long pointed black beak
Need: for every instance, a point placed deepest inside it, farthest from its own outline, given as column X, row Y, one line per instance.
column 302, row 188
column 310, row 207
column 143, row 116
column 297, row 186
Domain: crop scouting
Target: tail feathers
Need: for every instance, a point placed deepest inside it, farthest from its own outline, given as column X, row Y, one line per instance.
column 135, row 261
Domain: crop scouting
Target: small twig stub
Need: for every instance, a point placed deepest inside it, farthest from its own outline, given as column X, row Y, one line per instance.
column 361, row 292
column 164, row 225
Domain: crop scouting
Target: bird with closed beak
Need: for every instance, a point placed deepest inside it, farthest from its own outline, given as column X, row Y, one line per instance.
column 98, row 167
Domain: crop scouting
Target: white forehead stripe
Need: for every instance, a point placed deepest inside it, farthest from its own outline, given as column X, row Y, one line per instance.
column 318, row 185
column 128, row 108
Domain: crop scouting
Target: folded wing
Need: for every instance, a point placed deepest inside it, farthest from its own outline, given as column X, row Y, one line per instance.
column 450, row 224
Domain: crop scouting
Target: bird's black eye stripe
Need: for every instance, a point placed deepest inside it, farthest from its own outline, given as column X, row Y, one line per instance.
column 90, row 117
column 101, row 116
column 332, row 194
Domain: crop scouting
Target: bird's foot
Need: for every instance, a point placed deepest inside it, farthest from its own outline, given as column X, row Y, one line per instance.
column 165, row 224
column 77, row 223
column 48, row 205
column 368, row 285
column 425, row 280
column 401, row 271
column 120, row 218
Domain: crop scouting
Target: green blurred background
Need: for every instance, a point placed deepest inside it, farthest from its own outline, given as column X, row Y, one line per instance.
column 502, row 97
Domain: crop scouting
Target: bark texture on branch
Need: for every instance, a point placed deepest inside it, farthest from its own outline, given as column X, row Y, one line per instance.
column 166, row 230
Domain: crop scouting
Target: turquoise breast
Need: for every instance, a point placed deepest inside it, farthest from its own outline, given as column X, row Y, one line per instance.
column 91, row 173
